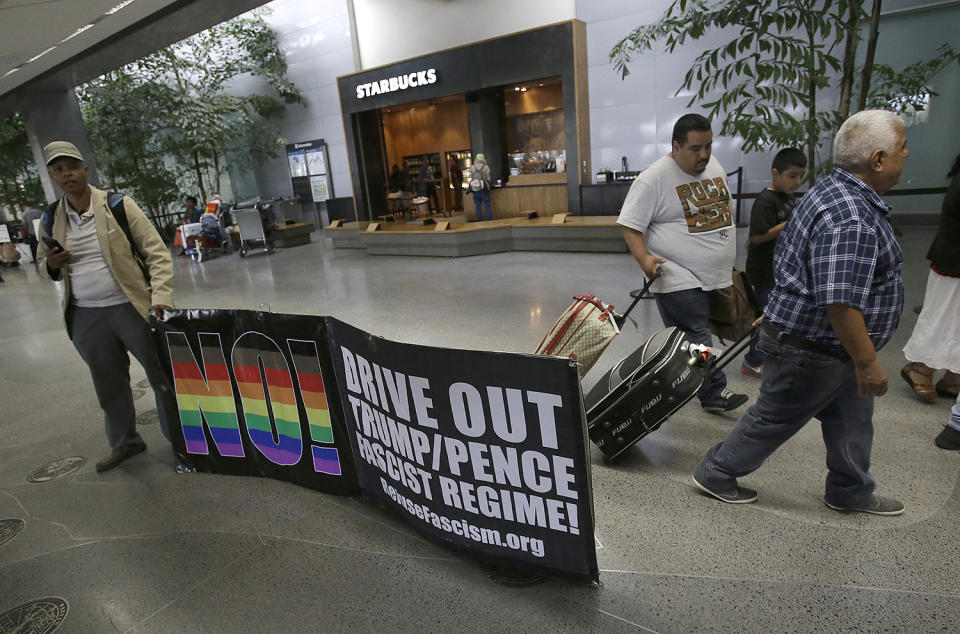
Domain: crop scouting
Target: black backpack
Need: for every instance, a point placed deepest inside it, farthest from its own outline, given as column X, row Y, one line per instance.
column 115, row 203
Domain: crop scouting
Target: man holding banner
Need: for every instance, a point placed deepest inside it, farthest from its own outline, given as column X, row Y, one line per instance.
column 115, row 271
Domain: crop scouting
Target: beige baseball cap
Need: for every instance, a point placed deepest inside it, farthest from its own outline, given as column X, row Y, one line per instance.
column 57, row 149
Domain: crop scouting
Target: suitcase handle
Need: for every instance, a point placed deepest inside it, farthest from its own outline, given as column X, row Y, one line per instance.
column 593, row 300
column 734, row 350
column 622, row 319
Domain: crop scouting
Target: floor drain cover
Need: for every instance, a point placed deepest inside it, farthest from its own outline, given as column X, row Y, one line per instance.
column 57, row 469
column 39, row 616
column 138, row 393
column 9, row 529
column 144, row 383
column 510, row 577
column 149, row 417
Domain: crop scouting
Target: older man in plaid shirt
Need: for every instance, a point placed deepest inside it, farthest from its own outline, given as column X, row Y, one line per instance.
column 837, row 300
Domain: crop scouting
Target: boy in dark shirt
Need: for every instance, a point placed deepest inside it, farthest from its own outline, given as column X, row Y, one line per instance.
column 768, row 218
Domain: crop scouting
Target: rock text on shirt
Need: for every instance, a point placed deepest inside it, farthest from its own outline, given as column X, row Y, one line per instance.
column 706, row 204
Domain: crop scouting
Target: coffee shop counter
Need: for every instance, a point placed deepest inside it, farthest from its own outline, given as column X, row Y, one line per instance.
column 544, row 193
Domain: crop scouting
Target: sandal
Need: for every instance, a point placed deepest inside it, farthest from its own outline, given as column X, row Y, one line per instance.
column 924, row 391
column 947, row 390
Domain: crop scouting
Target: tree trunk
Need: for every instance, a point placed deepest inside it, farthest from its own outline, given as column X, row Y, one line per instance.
column 134, row 153
column 868, row 60
column 812, row 136
column 849, row 60
column 216, row 169
column 196, row 167
column 184, row 91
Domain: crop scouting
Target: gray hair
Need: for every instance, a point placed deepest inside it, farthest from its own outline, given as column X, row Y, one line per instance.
column 863, row 134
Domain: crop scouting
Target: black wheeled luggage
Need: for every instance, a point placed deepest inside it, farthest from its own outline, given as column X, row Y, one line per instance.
column 645, row 388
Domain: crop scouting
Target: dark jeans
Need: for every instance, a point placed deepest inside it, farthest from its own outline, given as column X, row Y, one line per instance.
column 481, row 199
column 32, row 242
column 103, row 337
column 689, row 311
column 798, row 385
column 753, row 356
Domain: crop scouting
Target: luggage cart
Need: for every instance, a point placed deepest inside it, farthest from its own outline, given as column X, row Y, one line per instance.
column 213, row 239
column 254, row 220
column 186, row 231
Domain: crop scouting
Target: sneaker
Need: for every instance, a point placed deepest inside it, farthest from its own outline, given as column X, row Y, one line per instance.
column 948, row 439
column 116, row 457
column 740, row 495
column 725, row 402
column 877, row 506
column 751, row 370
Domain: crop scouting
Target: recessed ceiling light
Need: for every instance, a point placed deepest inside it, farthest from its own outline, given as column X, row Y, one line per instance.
column 524, row 89
column 118, row 7
column 517, row 88
column 39, row 55
column 76, row 33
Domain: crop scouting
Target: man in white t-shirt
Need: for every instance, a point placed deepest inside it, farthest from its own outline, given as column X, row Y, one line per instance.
column 677, row 215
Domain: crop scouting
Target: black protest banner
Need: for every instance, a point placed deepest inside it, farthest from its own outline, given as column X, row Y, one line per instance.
column 256, row 394
column 484, row 451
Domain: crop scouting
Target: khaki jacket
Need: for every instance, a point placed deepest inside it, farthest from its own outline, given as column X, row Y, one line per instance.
column 116, row 252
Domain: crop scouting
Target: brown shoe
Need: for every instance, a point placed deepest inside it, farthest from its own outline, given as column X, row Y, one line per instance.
column 116, row 457
column 919, row 381
column 945, row 390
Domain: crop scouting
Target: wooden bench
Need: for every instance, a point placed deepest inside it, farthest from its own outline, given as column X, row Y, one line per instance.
column 294, row 234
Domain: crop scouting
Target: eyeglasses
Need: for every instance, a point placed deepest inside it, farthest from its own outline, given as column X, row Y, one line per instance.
column 64, row 167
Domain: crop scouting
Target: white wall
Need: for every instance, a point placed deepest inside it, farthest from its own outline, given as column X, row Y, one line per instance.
column 314, row 35
column 392, row 30
column 933, row 141
column 634, row 117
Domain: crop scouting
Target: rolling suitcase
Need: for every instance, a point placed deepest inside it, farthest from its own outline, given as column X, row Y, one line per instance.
column 645, row 388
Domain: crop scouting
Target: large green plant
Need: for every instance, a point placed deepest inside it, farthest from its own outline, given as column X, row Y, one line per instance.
column 766, row 80
column 211, row 120
column 175, row 117
column 127, row 121
column 19, row 181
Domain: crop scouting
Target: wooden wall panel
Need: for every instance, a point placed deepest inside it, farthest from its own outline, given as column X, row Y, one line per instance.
column 536, row 99
column 583, row 100
column 510, row 202
column 426, row 129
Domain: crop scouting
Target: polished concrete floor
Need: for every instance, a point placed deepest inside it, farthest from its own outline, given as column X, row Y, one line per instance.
column 144, row 549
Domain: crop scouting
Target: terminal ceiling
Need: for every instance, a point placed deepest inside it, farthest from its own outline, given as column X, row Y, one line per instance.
column 57, row 44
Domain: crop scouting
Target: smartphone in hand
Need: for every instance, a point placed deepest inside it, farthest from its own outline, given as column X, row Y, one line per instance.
column 52, row 244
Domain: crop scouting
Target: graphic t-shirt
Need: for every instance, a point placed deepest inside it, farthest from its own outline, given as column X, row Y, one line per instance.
column 770, row 209
column 686, row 219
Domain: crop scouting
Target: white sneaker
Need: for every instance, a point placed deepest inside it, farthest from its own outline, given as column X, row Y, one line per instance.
column 755, row 371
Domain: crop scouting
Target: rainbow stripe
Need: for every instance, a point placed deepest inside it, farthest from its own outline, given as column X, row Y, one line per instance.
column 204, row 399
column 286, row 447
column 267, row 395
column 326, row 460
column 306, row 361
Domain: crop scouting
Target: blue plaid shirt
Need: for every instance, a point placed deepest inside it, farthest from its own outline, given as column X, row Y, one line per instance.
column 837, row 248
